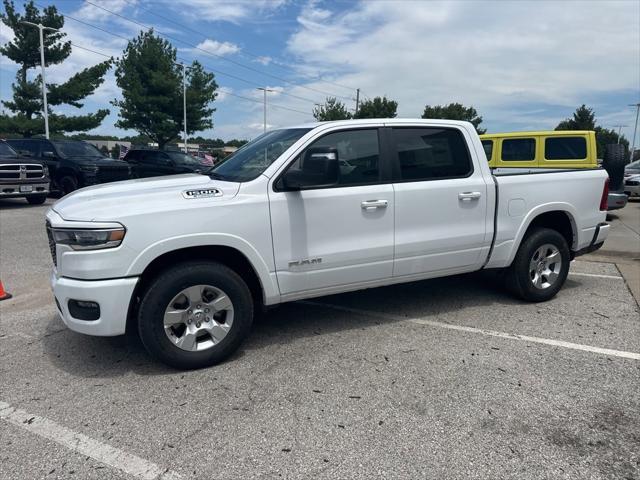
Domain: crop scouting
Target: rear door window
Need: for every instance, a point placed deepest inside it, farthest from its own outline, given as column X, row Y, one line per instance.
column 565, row 148
column 518, row 149
column 431, row 153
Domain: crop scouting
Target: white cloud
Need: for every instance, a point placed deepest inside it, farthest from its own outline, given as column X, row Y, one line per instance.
column 218, row 48
column 225, row 10
column 90, row 12
column 493, row 55
column 264, row 60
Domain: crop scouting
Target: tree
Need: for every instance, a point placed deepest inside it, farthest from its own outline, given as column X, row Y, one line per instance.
column 379, row 107
column 584, row 118
column 151, row 84
column 455, row 111
column 24, row 49
column 332, row 109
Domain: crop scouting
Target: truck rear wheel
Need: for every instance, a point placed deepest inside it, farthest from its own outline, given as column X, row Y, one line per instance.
column 540, row 267
column 195, row 315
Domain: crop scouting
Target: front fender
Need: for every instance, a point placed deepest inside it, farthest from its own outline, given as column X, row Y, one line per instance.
column 153, row 251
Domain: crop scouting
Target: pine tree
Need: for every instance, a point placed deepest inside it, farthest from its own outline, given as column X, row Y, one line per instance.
column 151, row 84
column 24, row 49
column 332, row 109
column 455, row 111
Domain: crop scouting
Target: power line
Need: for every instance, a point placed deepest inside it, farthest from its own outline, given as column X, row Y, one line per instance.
column 90, row 50
column 243, row 51
column 215, row 54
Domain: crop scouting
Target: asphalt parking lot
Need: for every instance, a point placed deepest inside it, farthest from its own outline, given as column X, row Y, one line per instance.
column 446, row 378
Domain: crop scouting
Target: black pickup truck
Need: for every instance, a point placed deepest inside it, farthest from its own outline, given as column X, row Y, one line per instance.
column 72, row 164
column 22, row 176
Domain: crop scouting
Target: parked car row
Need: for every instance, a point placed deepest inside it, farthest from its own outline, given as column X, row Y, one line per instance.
column 22, row 177
column 74, row 164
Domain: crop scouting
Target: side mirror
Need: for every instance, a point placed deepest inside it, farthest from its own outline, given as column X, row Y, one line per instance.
column 48, row 155
column 320, row 168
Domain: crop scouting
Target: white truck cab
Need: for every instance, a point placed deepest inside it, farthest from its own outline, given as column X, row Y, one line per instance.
column 308, row 211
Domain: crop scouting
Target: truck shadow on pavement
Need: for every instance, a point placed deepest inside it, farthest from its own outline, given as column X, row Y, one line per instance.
column 104, row 357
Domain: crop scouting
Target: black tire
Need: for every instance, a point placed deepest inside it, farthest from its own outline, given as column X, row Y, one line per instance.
column 518, row 278
column 68, row 184
column 614, row 162
column 170, row 283
column 36, row 199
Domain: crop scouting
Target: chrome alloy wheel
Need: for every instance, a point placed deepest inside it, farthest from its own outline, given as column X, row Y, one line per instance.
column 545, row 266
column 198, row 318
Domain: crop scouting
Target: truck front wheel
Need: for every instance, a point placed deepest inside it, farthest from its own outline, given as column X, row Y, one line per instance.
column 540, row 267
column 195, row 315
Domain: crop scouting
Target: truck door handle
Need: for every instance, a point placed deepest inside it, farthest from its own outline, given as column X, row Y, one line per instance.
column 468, row 196
column 373, row 204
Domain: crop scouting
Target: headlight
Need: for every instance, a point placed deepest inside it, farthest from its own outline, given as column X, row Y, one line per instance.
column 82, row 239
column 45, row 171
column 89, row 168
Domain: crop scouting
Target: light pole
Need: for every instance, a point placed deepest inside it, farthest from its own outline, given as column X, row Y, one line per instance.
column 184, row 101
column 265, row 90
column 619, row 127
column 45, row 109
column 635, row 128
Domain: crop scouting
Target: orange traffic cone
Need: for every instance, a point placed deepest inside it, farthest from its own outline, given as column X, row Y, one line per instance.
column 3, row 294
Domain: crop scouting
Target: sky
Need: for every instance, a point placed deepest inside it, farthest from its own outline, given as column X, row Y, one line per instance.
column 523, row 65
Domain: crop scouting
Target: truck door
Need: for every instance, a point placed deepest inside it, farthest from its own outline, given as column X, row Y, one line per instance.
column 441, row 202
column 341, row 235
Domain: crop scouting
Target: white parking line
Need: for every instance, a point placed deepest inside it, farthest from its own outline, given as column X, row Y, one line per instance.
column 482, row 331
column 77, row 442
column 596, row 275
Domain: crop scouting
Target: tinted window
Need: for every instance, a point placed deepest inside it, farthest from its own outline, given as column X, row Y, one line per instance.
column 488, row 148
column 31, row 146
column 183, row 158
column 518, row 149
column 430, row 153
column 565, row 148
column 358, row 155
column 77, row 149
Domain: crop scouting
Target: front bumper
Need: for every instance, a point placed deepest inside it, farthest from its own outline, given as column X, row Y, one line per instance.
column 8, row 190
column 113, row 297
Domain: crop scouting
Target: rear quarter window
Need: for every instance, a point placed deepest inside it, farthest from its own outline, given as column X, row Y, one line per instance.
column 518, row 149
column 565, row 148
column 488, row 148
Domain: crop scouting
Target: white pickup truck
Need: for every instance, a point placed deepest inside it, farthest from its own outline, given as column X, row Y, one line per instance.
column 308, row 211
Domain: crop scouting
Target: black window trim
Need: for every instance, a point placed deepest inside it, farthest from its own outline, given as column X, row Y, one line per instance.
column 393, row 150
column 535, row 148
column 384, row 177
column 586, row 149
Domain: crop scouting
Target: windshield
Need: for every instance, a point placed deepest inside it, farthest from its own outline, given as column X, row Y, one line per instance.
column 77, row 149
column 7, row 151
column 183, row 158
column 253, row 158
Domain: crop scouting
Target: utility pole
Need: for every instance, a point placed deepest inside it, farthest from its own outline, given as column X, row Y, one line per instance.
column 619, row 127
column 45, row 109
column 265, row 90
column 357, row 100
column 635, row 128
column 184, row 100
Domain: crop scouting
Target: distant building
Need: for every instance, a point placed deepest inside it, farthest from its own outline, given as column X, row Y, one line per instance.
column 110, row 144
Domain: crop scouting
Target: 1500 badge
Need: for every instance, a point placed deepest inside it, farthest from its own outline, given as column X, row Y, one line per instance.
column 201, row 193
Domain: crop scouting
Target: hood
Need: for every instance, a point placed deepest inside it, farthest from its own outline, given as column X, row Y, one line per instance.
column 23, row 160
column 98, row 161
column 118, row 200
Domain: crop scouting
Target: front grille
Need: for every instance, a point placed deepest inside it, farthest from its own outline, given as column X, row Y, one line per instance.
column 17, row 171
column 52, row 243
column 112, row 173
